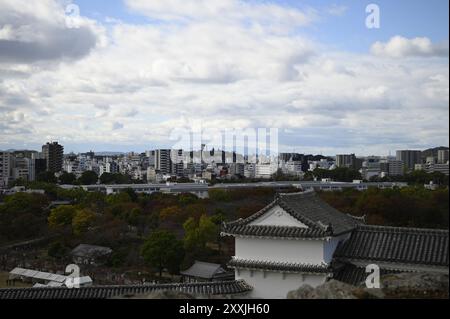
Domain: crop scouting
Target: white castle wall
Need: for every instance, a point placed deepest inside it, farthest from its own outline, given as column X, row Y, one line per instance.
column 280, row 250
column 274, row 285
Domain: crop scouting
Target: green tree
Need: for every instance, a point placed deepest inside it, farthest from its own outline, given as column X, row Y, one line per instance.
column 46, row 177
column 119, row 198
column 199, row 233
column 134, row 216
column 170, row 213
column 133, row 195
column 22, row 216
column 82, row 220
column 115, row 178
column 107, row 178
column 61, row 216
column 67, row 178
column 88, row 178
column 163, row 250
column 75, row 194
column 219, row 195
column 17, row 182
column 187, row 198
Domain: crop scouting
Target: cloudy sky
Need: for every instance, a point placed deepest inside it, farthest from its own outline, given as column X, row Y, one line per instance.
column 122, row 74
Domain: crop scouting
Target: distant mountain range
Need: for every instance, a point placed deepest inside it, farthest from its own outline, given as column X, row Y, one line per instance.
column 108, row 153
column 433, row 151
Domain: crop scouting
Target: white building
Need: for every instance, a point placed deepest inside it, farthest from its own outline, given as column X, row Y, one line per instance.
column 285, row 246
column 109, row 167
column 298, row 239
column 293, row 168
column 442, row 156
column 265, row 170
column 323, row 164
column 249, row 170
column 441, row 168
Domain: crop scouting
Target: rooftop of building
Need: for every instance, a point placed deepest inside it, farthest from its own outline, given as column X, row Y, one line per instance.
column 321, row 219
column 104, row 292
column 84, row 250
column 386, row 244
column 205, row 270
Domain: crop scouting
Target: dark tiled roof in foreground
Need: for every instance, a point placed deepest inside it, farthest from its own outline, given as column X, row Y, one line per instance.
column 354, row 275
column 273, row 231
column 312, row 210
column 103, row 292
column 278, row 266
column 397, row 245
column 321, row 219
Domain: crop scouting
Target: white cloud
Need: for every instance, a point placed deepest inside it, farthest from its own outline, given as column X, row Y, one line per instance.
column 243, row 70
column 337, row 10
column 399, row 47
column 116, row 126
column 34, row 31
column 228, row 11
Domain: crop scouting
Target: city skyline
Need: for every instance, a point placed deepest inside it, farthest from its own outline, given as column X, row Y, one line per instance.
column 122, row 75
column 197, row 150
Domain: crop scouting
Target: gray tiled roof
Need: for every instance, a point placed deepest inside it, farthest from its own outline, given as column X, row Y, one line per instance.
column 204, row 270
column 103, row 292
column 354, row 275
column 278, row 266
column 322, row 219
column 395, row 244
column 84, row 250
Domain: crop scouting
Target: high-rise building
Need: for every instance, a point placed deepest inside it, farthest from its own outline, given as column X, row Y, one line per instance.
column 168, row 161
column 442, row 156
column 395, row 167
column 410, row 158
column 432, row 168
column 151, row 158
column 108, row 167
column 53, row 153
column 5, row 168
column 39, row 166
column 162, row 161
column 346, row 160
column 177, row 165
column 22, row 168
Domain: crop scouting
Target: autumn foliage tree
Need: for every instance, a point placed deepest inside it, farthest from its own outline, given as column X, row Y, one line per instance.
column 82, row 220
column 199, row 232
column 22, row 216
column 404, row 207
column 61, row 216
column 171, row 213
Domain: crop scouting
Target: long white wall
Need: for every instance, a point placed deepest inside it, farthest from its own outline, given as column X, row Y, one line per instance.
column 273, row 285
column 280, row 250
